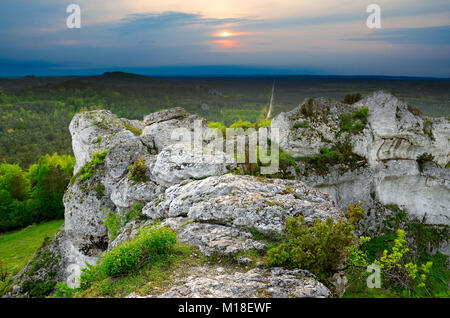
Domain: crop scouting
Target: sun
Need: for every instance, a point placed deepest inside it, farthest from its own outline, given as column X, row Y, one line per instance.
column 225, row 34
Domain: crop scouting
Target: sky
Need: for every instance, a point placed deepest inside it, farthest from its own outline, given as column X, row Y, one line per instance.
column 234, row 37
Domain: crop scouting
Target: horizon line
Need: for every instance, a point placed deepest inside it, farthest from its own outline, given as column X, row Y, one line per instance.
column 226, row 75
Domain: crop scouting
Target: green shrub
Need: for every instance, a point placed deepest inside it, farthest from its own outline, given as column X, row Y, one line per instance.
column 136, row 131
column 131, row 255
column 136, row 213
column 414, row 110
column 38, row 289
column 354, row 213
column 242, row 124
column 302, row 124
column 355, row 121
column 286, row 160
column 90, row 275
column 341, row 153
column 86, row 172
column 114, row 224
column 122, row 260
column 411, row 257
column 424, row 158
column 398, row 273
column 307, row 109
column 319, row 248
column 64, row 291
column 352, row 98
column 263, row 123
column 361, row 114
column 137, row 171
column 219, row 126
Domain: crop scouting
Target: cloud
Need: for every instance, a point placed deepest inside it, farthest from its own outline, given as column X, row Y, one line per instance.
column 169, row 19
column 422, row 36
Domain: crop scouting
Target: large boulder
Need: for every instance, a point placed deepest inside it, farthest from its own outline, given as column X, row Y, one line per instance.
column 166, row 128
column 180, row 162
column 243, row 201
column 97, row 130
column 255, row 283
column 213, row 239
column 390, row 143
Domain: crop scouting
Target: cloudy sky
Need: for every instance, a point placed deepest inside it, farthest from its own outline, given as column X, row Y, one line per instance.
column 225, row 37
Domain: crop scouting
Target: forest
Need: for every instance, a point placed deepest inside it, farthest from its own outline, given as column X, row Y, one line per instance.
column 34, row 195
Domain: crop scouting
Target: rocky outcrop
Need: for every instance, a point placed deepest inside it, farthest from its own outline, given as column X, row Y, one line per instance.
column 243, row 201
column 156, row 164
column 275, row 283
column 390, row 142
column 213, row 239
column 187, row 189
column 179, row 162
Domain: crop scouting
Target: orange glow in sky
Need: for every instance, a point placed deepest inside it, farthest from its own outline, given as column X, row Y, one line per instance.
column 226, row 44
column 225, row 34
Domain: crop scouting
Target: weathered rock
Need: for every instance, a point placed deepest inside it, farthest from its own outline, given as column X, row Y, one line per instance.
column 177, row 163
column 319, row 128
column 213, row 238
column 45, row 269
column 178, row 130
column 277, row 283
column 391, row 142
column 164, row 115
column 127, row 192
column 95, row 131
column 243, row 201
column 85, row 209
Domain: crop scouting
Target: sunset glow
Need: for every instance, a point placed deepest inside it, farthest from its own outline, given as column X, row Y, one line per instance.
column 225, row 34
column 319, row 37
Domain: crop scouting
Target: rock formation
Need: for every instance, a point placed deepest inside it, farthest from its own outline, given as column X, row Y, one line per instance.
column 218, row 211
column 389, row 144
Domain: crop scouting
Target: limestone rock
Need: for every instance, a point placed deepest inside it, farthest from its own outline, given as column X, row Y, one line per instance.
column 277, row 283
column 213, row 238
column 95, row 131
column 126, row 192
column 167, row 114
column 169, row 131
column 244, row 201
column 391, row 142
column 177, row 163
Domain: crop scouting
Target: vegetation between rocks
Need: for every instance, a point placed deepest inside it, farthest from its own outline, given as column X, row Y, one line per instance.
column 115, row 222
column 406, row 253
column 355, row 121
column 138, row 171
column 319, row 248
